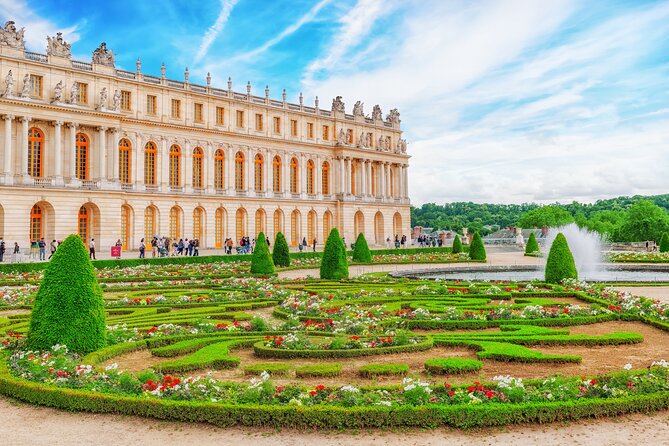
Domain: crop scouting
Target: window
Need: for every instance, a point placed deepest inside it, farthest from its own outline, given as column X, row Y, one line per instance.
column 197, row 168
column 259, row 123
column 81, row 162
column 240, row 220
column 150, row 228
column 349, row 136
column 220, row 116
column 354, row 171
column 276, row 177
column 278, row 221
column 277, row 124
column 124, row 161
column 327, row 224
column 311, row 226
column 310, row 177
column 260, row 222
column 151, row 105
column 83, row 93
column 35, row 146
column 125, row 100
column 125, row 226
column 82, row 220
column 258, row 172
column 239, row 171
column 36, row 83
column 197, row 223
column 219, row 223
column 310, row 130
column 198, row 115
column 36, row 223
column 326, row 133
column 293, row 175
column 295, row 227
column 219, row 166
column 150, row 164
column 293, row 127
column 175, row 223
column 175, row 166
column 176, row 109
column 240, row 119
column 326, row 178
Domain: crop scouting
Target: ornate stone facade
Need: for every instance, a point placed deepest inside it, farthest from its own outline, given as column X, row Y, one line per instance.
column 115, row 154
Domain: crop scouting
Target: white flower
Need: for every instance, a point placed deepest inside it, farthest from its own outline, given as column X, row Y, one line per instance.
column 661, row 363
column 627, row 366
column 113, row 366
column 350, row 389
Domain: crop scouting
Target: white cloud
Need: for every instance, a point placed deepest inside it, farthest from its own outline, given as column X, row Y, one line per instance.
column 215, row 29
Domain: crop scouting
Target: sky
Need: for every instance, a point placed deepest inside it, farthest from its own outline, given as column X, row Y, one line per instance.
column 503, row 101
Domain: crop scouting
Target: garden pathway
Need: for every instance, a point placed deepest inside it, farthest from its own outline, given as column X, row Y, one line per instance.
column 660, row 293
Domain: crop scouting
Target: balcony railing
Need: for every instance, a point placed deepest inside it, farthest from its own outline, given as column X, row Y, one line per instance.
column 43, row 182
column 127, row 187
column 79, row 65
column 151, row 187
column 152, row 80
column 176, row 188
column 220, row 191
column 37, row 57
column 90, row 184
column 125, row 74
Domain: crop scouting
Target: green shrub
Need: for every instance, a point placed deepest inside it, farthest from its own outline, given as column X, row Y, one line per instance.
column 477, row 250
column 69, row 309
column 532, row 245
column 664, row 242
column 560, row 263
column 457, row 245
column 371, row 370
column 361, row 252
column 281, row 253
column 334, row 265
column 261, row 261
column 447, row 366
column 318, row 370
column 273, row 368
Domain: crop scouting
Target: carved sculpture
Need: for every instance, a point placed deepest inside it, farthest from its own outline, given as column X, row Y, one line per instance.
column 393, row 117
column 338, row 105
column 382, row 143
column 357, row 109
column 117, row 100
column 376, row 113
column 11, row 37
column 341, row 137
column 103, row 98
column 58, row 92
column 25, row 93
column 103, row 56
column 56, row 46
column 401, row 146
column 74, row 93
column 9, row 85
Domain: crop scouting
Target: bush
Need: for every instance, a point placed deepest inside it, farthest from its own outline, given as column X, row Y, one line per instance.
column 334, row 265
column 560, row 263
column 371, row 370
column 532, row 245
column 476, row 249
column 446, row 366
column 361, row 252
column 261, row 262
column 69, row 309
column 281, row 253
column 318, row 370
column 664, row 242
column 457, row 245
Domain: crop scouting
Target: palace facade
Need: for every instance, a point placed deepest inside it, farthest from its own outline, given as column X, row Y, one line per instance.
column 112, row 154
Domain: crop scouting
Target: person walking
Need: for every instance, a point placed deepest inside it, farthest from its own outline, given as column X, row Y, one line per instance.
column 2, row 249
column 196, row 247
column 142, row 248
column 42, row 249
column 154, row 246
column 91, row 249
column 17, row 250
column 314, row 245
column 119, row 245
column 52, row 247
column 34, row 249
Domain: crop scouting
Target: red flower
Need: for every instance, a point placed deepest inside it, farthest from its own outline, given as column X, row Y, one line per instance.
column 313, row 392
column 447, row 385
column 593, row 382
column 451, row 393
column 320, row 387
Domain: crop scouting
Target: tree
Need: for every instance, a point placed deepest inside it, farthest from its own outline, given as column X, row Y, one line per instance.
column 281, row 253
column 551, row 216
column 532, row 245
column 69, row 309
column 457, row 245
column 560, row 263
column 334, row 264
column 361, row 252
column 664, row 242
column 644, row 220
column 261, row 261
column 476, row 249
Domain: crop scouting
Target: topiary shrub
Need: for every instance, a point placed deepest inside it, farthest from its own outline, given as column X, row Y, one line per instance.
column 664, row 242
column 532, row 245
column 361, row 252
column 333, row 264
column 281, row 253
column 476, row 249
column 69, row 309
column 261, row 261
column 560, row 263
column 457, row 245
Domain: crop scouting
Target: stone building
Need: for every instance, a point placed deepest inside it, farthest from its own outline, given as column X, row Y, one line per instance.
column 115, row 154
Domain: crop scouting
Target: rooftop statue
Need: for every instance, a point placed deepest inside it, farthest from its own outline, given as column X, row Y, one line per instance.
column 394, row 116
column 357, row 109
column 56, row 46
column 341, row 138
column 376, row 113
column 11, row 37
column 338, row 105
column 103, row 56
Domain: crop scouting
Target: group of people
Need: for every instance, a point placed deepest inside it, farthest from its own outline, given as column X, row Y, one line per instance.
column 164, row 246
column 425, row 241
column 399, row 241
column 304, row 245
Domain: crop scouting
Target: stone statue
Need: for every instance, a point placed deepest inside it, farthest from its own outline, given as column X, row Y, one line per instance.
column 103, row 56
column 56, row 46
column 117, row 100
column 103, row 98
column 382, row 143
column 393, row 117
column 11, row 37
column 74, row 93
column 401, row 146
column 357, row 109
column 25, row 93
column 362, row 140
column 376, row 113
column 341, row 138
column 338, row 105
column 58, row 92
column 9, row 85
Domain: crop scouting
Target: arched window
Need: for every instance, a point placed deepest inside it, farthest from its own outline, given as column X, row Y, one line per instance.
column 83, row 224
column 311, row 226
column 36, row 223
column 378, row 228
column 310, row 177
column 258, row 172
column 82, row 159
column 295, row 228
column 220, row 224
column 219, row 169
column 278, row 221
column 260, row 222
column 150, row 166
column 124, row 161
column 125, row 226
column 293, row 176
column 276, row 177
column 326, row 178
column 358, row 224
column 240, row 220
column 397, row 224
column 197, row 167
column 239, row 171
column 175, row 223
column 198, row 217
column 35, row 154
column 175, row 166
column 150, row 227
column 327, row 225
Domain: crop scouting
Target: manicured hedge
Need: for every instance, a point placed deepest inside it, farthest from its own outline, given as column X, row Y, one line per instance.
column 262, row 263
column 560, row 263
column 334, row 265
column 281, row 252
column 476, row 249
column 318, row 370
column 371, row 370
column 457, row 245
column 479, row 324
column 262, row 351
column 447, row 366
column 532, row 245
column 361, row 252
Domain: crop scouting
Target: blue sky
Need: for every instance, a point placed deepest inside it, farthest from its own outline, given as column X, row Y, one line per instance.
column 501, row 100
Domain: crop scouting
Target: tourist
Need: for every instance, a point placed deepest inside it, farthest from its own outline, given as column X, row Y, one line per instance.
column 314, row 244
column 180, row 246
column 2, row 249
column 228, row 245
column 196, row 247
column 304, row 243
column 142, row 248
column 191, row 243
column 154, row 246
column 91, row 249
column 403, row 240
column 34, row 249
column 52, row 247
column 388, row 241
column 268, row 243
column 119, row 245
column 17, row 250
column 42, row 249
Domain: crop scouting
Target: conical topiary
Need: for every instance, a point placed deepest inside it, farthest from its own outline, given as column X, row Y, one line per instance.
column 333, row 264
column 69, row 309
column 457, row 245
column 281, row 253
column 261, row 261
column 476, row 249
column 664, row 242
column 560, row 263
column 361, row 252
column 532, row 245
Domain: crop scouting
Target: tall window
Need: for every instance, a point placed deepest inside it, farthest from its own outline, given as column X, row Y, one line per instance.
column 220, row 116
column 293, row 127
column 310, row 177
column 175, row 223
column 82, row 219
column 259, row 122
column 125, row 226
column 353, row 174
column 325, row 171
column 198, row 113
column 219, row 223
column 276, row 171
column 219, row 169
column 198, row 214
column 125, row 100
column 150, row 228
column 278, row 221
column 176, row 109
column 36, row 223
column 81, row 162
column 295, row 228
column 83, row 93
column 197, row 168
column 310, row 130
column 258, row 172
column 293, row 176
column 311, row 226
column 239, row 171
column 150, row 164
column 277, row 124
column 35, row 154
column 175, row 166
column 327, row 224
column 36, row 83
column 240, row 119
column 240, row 223
column 151, row 101
column 326, row 133
column 260, row 222
column 124, row 161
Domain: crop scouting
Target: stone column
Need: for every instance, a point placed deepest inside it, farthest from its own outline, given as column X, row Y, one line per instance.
column 8, row 172
column 400, row 181
column 102, row 144
column 58, row 153
column 370, row 179
column 25, row 121
column 406, row 181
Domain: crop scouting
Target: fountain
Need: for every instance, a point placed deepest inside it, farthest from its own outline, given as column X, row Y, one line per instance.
column 585, row 246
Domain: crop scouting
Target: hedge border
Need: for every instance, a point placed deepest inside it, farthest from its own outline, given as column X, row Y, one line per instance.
column 261, row 351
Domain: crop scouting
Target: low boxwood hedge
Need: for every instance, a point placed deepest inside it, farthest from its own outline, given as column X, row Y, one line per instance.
column 447, row 366
column 371, row 370
column 262, row 351
column 318, row 370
